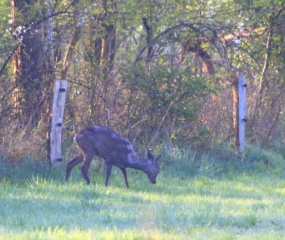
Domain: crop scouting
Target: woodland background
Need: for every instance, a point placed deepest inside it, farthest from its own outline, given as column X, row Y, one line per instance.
column 159, row 72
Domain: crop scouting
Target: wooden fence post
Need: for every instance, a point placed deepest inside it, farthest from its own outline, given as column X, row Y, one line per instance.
column 235, row 83
column 242, row 112
column 59, row 96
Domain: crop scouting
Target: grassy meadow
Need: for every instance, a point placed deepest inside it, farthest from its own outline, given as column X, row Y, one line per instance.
column 193, row 199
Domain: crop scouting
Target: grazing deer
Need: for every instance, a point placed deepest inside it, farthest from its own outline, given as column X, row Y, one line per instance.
column 115, row 150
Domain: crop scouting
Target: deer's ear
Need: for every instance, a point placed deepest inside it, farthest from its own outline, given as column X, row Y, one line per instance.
column 158, row 160
column 150, row 155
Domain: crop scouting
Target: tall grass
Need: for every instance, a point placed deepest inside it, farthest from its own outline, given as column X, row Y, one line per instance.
column 194, row 198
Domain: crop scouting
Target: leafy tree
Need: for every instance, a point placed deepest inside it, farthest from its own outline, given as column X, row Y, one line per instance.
column 146, row 67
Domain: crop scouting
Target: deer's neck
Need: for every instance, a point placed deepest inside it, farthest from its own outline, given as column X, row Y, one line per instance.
column 138, row 163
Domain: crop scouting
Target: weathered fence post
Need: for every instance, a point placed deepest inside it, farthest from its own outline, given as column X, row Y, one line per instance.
column 239, row 112
column 59, row 96
column 235, row 112
column 242, row 111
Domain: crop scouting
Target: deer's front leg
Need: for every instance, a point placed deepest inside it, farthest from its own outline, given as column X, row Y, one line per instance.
column 124, row 171
column 108, row 173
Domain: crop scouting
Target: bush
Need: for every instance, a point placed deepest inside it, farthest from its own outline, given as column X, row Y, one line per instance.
column 221, row 160
column 263, row 159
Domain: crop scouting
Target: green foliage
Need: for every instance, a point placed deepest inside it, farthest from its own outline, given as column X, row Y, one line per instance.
column 171, row 97
column 131, row 75
column 5, row 38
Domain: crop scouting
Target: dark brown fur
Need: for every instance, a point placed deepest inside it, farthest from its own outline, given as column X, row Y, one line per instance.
column 115, row 150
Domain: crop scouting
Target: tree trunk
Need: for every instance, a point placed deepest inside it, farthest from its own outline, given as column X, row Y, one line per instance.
column 104, row 44
column 27, row 65
column 73, row 42
column 79, row 24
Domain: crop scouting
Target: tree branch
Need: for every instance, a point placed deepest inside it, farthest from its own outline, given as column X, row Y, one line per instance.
column 153, row 41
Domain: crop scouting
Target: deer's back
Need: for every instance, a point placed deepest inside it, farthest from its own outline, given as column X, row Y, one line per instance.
column 104, row 143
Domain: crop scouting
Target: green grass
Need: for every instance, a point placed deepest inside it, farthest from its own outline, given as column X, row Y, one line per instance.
column 186, row 203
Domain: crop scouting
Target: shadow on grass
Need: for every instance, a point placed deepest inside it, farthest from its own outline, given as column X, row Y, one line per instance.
column 28, row 170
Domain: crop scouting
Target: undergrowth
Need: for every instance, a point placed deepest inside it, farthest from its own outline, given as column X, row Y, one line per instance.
column 216, row 162
column 223, row 160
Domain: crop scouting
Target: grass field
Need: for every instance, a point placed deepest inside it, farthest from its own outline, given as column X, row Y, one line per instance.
column 184, row 204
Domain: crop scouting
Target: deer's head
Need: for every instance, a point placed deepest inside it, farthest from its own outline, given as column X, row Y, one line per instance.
column 154, row 167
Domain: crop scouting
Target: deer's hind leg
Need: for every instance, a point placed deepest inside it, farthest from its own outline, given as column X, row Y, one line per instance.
column 87, row 160
column 78, row 159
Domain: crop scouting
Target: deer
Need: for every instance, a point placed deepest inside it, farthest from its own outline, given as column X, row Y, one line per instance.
column 116, row 151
